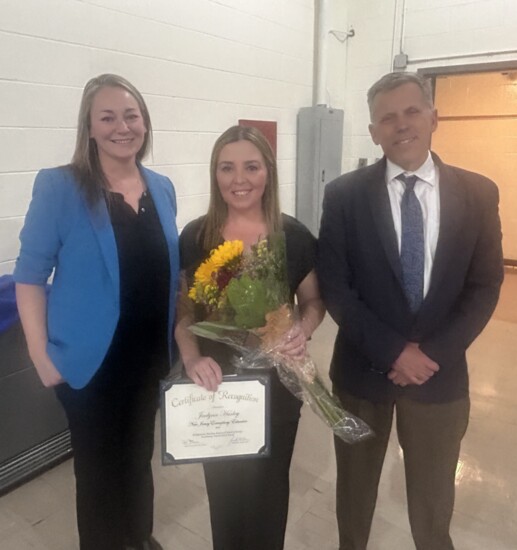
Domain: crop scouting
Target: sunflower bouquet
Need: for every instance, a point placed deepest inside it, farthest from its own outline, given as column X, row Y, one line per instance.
column 246, row 299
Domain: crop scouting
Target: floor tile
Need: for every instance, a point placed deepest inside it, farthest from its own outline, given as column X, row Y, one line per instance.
column 40, row 514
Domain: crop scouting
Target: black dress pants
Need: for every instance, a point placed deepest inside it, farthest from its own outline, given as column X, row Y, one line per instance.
column 249, row 498
column 112, row 433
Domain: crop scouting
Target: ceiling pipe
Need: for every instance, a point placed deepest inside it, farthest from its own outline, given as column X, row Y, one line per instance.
column 322, row 55
column 323, row 31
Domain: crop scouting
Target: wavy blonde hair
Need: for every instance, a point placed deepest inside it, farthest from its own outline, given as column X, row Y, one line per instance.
column 215, row 219
column 85, row 161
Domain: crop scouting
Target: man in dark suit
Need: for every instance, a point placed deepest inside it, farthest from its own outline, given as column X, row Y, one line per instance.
column 410, row 267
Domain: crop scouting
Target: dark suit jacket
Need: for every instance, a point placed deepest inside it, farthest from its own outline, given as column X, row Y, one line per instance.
column 360, row 276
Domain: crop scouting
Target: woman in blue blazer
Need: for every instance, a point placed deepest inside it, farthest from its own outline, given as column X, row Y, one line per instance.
column 104, row 226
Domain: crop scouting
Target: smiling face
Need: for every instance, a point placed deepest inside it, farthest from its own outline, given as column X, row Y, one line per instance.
column 402, row 124
column 241, row 176
column 116, row 124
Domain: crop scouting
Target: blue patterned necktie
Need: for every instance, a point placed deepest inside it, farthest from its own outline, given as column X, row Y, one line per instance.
column 412, row 244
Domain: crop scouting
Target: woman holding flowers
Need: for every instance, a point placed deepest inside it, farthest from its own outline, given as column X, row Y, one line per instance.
column 248, row 498
column 105, row 226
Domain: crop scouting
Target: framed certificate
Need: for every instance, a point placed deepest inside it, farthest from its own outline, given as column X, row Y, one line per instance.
column 232, row 422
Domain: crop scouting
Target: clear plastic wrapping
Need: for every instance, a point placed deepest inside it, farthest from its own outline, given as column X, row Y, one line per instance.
column 246, row 300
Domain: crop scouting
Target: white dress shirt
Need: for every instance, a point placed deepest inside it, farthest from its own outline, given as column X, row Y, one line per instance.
column 427, row 190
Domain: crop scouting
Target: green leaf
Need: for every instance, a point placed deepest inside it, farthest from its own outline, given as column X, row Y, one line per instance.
column 219, row 332
column 248, row 298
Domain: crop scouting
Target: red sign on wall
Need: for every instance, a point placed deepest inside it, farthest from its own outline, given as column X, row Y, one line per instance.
column 267, row 127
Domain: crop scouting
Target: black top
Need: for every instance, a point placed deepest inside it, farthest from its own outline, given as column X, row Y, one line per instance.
column 140, row 343
column 301, row 256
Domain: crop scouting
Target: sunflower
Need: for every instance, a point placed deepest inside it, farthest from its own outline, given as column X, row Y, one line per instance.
column 222, row 264
column 226, row 253
column 204, row 272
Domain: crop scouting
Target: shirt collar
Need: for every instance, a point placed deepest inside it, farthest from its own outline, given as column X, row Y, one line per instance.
column 426, row 172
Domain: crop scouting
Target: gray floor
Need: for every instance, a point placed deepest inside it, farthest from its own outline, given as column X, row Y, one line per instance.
column 40, row 514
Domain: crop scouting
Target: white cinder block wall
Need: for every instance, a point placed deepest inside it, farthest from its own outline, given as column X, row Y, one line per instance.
column 433, row 33
column 201, row 65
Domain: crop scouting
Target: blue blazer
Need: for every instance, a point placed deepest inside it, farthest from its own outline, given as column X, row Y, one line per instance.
column 64, row 233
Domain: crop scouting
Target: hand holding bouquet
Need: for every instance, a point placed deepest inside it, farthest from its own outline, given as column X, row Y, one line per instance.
column 247, row 304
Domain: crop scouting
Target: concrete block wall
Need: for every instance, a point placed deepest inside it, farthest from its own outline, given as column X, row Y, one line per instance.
column 201, row 65
column 433, row 33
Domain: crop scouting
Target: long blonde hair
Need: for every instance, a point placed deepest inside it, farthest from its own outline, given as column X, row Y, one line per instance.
column 215, row 219
column 85, row 161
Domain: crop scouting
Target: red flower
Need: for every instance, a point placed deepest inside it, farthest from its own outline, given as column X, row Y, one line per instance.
column 224, row 276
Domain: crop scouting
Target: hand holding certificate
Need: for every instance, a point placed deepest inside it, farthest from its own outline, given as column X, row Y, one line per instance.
column 199, row 425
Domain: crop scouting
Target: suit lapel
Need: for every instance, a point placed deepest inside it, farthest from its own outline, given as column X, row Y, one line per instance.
column 103, row 229
column 383, row 217
column 166, row 215
column 452, row 212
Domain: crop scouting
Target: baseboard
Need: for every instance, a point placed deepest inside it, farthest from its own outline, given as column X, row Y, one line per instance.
column 33, row 461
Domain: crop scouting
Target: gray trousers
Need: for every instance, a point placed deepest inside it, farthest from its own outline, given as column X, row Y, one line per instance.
column 430, row 437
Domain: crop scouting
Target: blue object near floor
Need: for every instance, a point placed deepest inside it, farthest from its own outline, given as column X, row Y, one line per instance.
column 8, row 310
